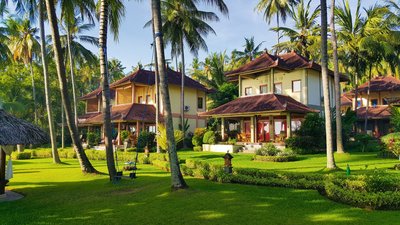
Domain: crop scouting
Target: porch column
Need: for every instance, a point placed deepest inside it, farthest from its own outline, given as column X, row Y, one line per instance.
column 102, row 131
column 241, row 125
column 252, row 130
column 119, row 134
column 272, row 128
column 222, row 128
column 137, row 128
column 288, row 125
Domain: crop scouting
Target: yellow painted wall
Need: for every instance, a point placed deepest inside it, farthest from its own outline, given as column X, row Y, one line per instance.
column 376, row 95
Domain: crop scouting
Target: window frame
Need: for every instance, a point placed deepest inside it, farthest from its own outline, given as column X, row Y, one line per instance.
column 148, row 98
column 140, row 99
column 279, row 83
column 377, row 101
column 293, row 81
column 262, row 86
column 248, row 88
column 200, row 101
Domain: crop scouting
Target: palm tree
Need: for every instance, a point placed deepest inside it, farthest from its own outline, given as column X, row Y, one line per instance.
column 111, row 14
column 250, row 51
column 84, row 162
column 23, row 44
column 304, row 38
column 4, row 51
column 280, row 8
column 176, row 176
column 68, row 11
column 184, row 23
column 339, row 140
column 115, row 69
column 324, row 70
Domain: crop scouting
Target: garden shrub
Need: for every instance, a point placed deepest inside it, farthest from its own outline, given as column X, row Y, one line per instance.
column 366, row 142
column 161, row 164
column 124, row 135
column 197, row 139
column 267, row 158
column 392, row 143
column 232, row 141
column 162, row 137
column 271, row 153
column 197, row 148
column 268, row 149
column 209, row 137
column 146, row 139
column 93, row 138
column 22, row 155
column 302, row 145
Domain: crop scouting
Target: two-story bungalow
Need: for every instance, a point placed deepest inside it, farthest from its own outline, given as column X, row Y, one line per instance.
column 384, row 91
column 134, row 98
column 275, row 93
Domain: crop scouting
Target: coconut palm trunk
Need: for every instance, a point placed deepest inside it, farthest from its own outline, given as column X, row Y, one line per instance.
column 106, row 88
column 71, row 68
column 368, row 96
column 156, row 84
column 277, row 24
column 339, row 139
column 33, row 92
column 177, row 180
column 56, row 158
column 84, row 162
column 182, row 47
column 324, row 71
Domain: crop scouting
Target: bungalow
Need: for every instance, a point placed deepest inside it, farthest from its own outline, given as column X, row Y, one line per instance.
column 275, row 93
column 133, row 104
column 384, row 91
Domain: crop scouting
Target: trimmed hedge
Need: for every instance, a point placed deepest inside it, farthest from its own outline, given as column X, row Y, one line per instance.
column 277, row 158
column 375, row 191
column 22, row 155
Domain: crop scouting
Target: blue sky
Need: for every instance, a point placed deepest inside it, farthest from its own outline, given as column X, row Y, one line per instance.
column 243, row 21
column 134, row 40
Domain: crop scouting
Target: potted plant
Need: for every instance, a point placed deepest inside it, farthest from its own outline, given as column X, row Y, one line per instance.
column 124, row 138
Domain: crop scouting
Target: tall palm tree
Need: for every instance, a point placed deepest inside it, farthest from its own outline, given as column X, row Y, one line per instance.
column 251, row 51
column 111, row 13
column 69, row 8
column 184, row 23
column 116, row 69
column 339, row 139
column 278, row 8
column 23, row 44
column 324, row 72
column 84, row 162
column 177, row 181
column 304, row 37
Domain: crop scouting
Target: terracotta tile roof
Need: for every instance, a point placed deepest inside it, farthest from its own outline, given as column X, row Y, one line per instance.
column 381, row 83
column 376, row 112
column 148, row 77
column 96, row 93
column 287, row 61
column 345, row 101
column 260, row 103
column 125, row 112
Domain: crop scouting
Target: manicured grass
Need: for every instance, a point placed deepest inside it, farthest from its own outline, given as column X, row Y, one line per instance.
column 358, row 162
column 60, row 194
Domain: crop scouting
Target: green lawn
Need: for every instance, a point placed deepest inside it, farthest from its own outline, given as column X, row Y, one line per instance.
column 60, row 194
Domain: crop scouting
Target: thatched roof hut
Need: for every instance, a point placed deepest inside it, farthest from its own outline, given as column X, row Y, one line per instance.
column 14, row 131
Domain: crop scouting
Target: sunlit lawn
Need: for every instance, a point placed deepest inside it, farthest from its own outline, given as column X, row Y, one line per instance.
column 60, row 194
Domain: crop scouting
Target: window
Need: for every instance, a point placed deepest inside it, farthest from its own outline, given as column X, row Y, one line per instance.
column 248, row 91
column 384, row 101
column 374, row 102
column 263, row 89
column 140, row 99
column 278, row 88
column 148, row 99
column 296, row 86
column 358, row 103
column 200, row 102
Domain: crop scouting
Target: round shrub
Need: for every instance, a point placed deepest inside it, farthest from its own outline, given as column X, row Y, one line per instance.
column 209, row 137
column 197, row 139
column 124, row 135
column 267, row 150
column 146, row 139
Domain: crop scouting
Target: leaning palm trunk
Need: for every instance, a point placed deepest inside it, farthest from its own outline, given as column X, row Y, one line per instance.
column 324, row 70
column 56, row 158
column 176, row 176
column 182, row 87
column 71, row 68
column 84, row 162
column 33, row 93
column 339, row 140
column 106, row 88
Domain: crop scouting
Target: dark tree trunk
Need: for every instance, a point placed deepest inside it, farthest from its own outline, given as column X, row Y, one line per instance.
column 156, row 85
column 106, row 88
column 324, row 70
column 84, row 162
column 367, row 106
column 2, row 171
column 176, row 176
column 56, row 158
column 71, row 70
column 339, row 140
column 33, row 93
column 182, row 87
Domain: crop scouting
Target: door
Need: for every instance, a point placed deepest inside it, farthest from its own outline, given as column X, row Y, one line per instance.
column 263, row 131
